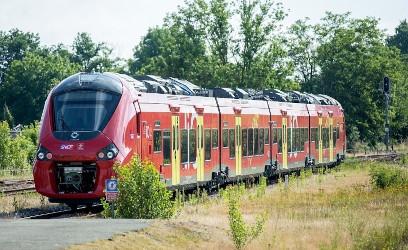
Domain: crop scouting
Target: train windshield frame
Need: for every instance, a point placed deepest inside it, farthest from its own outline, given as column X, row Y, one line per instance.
column 83, row 110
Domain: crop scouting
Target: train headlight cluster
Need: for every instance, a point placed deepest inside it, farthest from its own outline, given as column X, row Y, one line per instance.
column 43, row 154
column 108, row 153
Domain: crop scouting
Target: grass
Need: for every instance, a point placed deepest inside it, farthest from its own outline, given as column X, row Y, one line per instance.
column 11, row 204
column 337, row 210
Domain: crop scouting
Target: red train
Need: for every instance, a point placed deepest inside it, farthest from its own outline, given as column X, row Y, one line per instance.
column 92, row 120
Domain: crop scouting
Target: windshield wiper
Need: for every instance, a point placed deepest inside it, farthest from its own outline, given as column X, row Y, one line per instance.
column 64, row 125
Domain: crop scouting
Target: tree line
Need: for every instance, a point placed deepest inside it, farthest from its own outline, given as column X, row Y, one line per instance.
column 225, row 43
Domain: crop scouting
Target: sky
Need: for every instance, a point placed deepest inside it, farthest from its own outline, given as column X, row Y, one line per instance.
column 122, row 23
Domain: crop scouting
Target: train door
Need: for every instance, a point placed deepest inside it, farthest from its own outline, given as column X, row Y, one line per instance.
column 175, row 142
column 330, row 138
column 320, row 140
column 284, row 142
column 238, row 148
column 200, row 149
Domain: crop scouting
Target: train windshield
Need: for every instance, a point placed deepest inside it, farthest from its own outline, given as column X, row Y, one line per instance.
column 84, row 110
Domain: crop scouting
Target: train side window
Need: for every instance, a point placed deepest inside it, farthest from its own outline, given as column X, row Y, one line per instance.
column 290, row 140
column 250, row 141
column 207, row 144
column 244, row 142
column 225, row 138
column 297, row 136
column 214, row 138
column 334, row 137
column 275, row 135
column 256, row 141
column 166, row 147
column 261, row 141
column 338, row 133
column 193, row 145
column 157, row 140
column 279, row 140
column 266, row 136
column 184, row 147
column 232, row 143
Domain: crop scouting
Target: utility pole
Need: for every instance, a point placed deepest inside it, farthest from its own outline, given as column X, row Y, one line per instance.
column 387, row 88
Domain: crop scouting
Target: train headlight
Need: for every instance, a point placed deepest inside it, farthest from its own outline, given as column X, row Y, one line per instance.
column 108, row 153
column 43, row 154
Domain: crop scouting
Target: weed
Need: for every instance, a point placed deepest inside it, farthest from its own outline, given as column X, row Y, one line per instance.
column 241, row 233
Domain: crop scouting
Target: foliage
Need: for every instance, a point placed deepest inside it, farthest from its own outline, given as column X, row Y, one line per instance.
column 15, row 153
column 383, row 176
column 7, row 116
column 28, row 82
column 14, row 44
column 400, row 38
column 241, row 233
column 90, row 55
column 141, row 192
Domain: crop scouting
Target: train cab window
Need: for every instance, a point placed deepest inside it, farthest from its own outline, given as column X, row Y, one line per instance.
column 256, row 141
column 266, row 136
column 232, row 143
column 192, row 145
column 244, row 142
column 250, row 141
column 184, row 147
column 225, row 138
column 166, row 147
column 214, row 138
column 157, row 140
column 207, row 144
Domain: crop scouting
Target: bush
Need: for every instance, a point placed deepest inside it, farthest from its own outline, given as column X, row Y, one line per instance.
column 142, row 195
column 388, row 176
column 241, row 233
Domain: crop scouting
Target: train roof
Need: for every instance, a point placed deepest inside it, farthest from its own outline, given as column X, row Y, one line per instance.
column 83, row 81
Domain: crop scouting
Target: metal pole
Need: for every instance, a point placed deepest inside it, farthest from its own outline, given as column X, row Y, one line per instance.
column 387, row 128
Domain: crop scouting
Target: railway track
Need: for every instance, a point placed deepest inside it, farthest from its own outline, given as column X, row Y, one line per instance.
column 13, row 187
column 81, row 211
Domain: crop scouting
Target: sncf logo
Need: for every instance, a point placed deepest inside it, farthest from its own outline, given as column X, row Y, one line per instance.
column 67, row 147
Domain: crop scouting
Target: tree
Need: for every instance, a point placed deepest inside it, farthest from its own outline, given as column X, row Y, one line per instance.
column 258, row 20
column 7, row 116
column 29, row 81
column 13, row 46
column 400, row 39
column 354, row 59
column 92, row 56
column 302, row 50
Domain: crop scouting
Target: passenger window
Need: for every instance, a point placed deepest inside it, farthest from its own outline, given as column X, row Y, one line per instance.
column 250, row 141
column 207, row 147
column 225, row 138
column 157, row 140
column 214, row 138
column 244, row 142
column 256, row 141
column 193, row 145
column 266, row 137
column 275, row 135
column 279, row 140
column 184, row 148
column 261, row 141
column 166, row 147
column 289, row 140
column 232, row 143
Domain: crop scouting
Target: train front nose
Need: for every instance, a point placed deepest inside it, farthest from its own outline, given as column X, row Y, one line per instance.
column 75, row 169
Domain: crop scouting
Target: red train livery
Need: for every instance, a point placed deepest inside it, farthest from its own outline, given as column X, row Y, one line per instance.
column 92, row 120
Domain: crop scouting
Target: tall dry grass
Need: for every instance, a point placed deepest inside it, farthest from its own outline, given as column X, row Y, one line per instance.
column 340, row 209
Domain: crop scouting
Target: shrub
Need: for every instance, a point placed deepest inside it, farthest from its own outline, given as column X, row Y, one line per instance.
column 388, row 176
column 141, row 192
column 241, row 233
